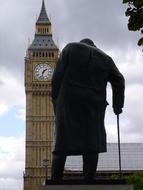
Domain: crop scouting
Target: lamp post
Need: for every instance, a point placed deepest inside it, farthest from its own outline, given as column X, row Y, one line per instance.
column 45, row 164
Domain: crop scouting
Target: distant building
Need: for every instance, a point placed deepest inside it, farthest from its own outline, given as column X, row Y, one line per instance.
column 131, row 160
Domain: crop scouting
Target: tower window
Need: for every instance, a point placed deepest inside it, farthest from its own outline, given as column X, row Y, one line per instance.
column 49, row 54
column 46, row 54
column 33, row 54
column 36, row 54
column 52, row 54
column 39, row 54
column 43, row 54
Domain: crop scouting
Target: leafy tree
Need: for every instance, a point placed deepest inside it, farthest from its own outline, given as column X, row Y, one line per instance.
column 136, row 179
column 135, row 13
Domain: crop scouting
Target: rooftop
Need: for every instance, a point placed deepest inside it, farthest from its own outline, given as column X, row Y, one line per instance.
column 131, row 158
column 43, row 42
column 43, row 18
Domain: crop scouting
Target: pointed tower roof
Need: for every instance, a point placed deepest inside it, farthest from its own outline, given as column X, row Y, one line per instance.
column 43, row 18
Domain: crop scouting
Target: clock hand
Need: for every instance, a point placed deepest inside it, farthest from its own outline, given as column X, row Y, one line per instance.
column 43, row 71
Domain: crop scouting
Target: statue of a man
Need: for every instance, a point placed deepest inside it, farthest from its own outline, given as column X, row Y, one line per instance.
column 79, row 97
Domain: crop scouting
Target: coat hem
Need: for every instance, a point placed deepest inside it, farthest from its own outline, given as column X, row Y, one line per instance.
column 71, row 153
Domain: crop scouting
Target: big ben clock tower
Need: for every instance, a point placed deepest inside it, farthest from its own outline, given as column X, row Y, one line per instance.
column 40, row 62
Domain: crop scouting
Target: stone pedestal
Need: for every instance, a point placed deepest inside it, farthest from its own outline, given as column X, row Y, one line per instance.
column 86, row 187
column 95, row 185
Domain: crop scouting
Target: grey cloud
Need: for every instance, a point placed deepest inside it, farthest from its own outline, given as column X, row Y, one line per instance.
column 132, row 118
column 1, row 83
column 15, row 28
column 72, row 20
column 133, row 74
column 103, row 21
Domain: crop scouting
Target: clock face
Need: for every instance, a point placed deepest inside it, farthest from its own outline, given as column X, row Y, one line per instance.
column 43, row 72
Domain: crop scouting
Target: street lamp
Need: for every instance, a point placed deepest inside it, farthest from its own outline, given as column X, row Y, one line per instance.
column 45, row 164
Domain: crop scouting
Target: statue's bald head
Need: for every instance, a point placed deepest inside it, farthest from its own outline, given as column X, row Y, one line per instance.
column 88, row 42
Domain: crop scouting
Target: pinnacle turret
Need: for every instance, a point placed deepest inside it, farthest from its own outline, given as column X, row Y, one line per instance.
column 43, row 33
column 43, row 18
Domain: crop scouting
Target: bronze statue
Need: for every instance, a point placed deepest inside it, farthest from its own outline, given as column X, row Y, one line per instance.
column 79, row 98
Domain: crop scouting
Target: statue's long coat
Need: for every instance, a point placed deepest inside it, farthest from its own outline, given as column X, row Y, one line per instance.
column 79, row 97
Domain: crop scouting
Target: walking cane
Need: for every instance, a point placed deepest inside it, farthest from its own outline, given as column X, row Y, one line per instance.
column 119, row 150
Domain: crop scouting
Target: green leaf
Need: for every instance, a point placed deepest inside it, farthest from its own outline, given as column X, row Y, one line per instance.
column 138, row 3
column 140, row 42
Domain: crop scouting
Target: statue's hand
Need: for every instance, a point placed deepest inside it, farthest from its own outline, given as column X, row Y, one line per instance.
column 117, row 111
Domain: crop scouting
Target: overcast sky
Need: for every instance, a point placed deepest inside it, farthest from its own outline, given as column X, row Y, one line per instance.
column 104, row 22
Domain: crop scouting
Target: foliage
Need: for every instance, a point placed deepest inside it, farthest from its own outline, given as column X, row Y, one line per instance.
column 135, row 179
column 135, row 13
column 114, row 177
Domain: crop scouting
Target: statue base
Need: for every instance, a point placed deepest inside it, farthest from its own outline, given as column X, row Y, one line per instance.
column 86, row 185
